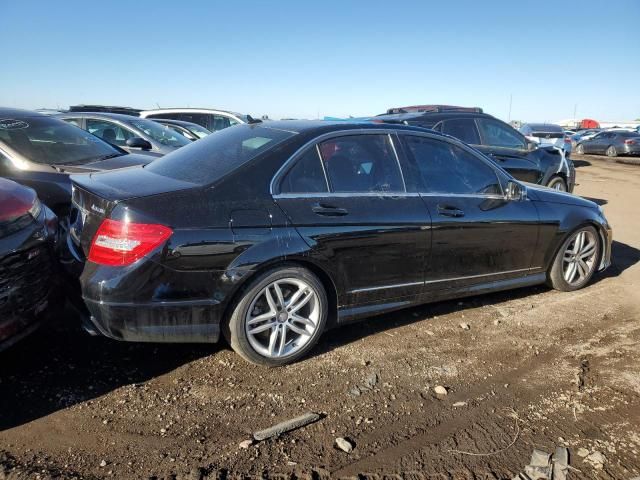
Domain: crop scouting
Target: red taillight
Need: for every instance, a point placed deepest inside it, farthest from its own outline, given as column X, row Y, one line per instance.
column 629, row 142
column 122, row 243
column 567, row 139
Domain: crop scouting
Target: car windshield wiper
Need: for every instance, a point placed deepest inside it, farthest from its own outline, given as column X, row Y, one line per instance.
column 110, row 155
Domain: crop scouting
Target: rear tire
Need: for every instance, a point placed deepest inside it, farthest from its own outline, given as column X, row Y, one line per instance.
column 611, row 151
column 557, row 183
column 576, row 261
column 278, row 317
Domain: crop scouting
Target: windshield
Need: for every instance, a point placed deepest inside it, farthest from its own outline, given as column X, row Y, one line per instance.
column 199, row 130
column 209, row 159
column 160, row 133
column 51, row 141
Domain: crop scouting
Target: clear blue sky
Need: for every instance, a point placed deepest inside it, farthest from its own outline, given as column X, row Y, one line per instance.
column 307, row 58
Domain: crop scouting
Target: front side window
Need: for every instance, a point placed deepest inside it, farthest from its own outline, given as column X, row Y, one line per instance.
column 448, row 169
column 306, row 176
column 109, row 132
column 497, row 134
column 361, row 163
column 463, row 129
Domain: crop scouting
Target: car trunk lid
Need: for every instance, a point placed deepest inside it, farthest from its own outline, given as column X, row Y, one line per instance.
column 94, row 197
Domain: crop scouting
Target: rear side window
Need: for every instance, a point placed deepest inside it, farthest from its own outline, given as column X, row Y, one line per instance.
column 463, row 129
column 306, row 176
column 209, row 159
column 448, row 169
column 498, row 134
column 361, row 163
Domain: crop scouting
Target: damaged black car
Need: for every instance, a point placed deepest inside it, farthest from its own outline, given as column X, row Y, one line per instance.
column 28, row 233
column 271, row 233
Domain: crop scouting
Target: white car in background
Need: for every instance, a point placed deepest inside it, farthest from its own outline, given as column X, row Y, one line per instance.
column 212, row 120
column 547, row 135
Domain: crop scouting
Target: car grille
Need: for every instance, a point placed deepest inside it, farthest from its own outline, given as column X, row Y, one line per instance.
column 547, row 135
column 25, row 280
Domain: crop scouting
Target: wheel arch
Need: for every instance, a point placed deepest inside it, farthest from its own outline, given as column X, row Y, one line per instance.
column 587, row 222
column 305, row 262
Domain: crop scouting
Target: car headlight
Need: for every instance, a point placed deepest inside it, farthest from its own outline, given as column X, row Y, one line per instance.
column 36, row 208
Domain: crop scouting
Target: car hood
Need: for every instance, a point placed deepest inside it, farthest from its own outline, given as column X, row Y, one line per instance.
column 544, row 194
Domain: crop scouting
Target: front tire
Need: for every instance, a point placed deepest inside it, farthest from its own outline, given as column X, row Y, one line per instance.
column 557, row 183
column 279, row 317
column 611, row 151
column 580, row 149
column 576, row 260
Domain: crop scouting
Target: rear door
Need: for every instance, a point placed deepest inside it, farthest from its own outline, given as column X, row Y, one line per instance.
column 508, row 148
column 347, row 197
column 477, row 235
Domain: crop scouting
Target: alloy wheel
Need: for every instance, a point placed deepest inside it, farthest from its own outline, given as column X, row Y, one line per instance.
column 611, row 151
column 558, row 184
column 580, row 150
column 579, row 259
column 282, row 317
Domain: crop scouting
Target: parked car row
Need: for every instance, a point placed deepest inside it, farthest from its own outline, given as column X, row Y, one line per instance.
column 270, row 233
column 610, row 143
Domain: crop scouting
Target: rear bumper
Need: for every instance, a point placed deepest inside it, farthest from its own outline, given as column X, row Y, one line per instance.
column 175, row 322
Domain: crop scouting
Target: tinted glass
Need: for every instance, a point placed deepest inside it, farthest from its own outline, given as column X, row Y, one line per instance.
column 306, row 176
column 52, row 141
column 500, row 135
column 545, row 127
column 213, row 157
column 447, row 168
column 73, row 121
column 109, row 132
column 361, row 163
column 463, row 128
column 160, row 133
column 218, row 122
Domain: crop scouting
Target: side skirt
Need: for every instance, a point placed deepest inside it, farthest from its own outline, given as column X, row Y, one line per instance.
column 352, row 313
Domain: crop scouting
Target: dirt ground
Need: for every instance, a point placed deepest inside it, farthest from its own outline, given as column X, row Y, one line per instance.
column 537, row 369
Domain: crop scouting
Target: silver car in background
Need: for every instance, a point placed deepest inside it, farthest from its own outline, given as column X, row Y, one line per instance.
column 547, row 135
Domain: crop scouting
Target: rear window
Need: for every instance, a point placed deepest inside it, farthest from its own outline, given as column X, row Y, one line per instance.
column 545, row 127
column 213, row 157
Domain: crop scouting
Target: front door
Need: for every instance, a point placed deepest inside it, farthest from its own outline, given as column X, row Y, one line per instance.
column 477, row 234
column 347, row 198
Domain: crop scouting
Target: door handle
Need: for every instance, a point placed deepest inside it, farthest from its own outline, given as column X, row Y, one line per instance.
column 449, row 211
column 329, row 210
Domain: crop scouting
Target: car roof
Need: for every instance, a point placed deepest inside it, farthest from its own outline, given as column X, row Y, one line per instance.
column 192, row 109
column 432, row 117
column 19, row 113
column 106, row 115
column 550, row 127
column 327, row 126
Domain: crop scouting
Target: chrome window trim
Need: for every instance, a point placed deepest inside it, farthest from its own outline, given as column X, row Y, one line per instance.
column 345, row 195
column 316, row 140
column 453, row 279
column 395, row 154
column 324, row 170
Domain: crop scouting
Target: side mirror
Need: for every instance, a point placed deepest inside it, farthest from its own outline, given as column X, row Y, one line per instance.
column 515, row 191
column 531, row 146
column 137, row 142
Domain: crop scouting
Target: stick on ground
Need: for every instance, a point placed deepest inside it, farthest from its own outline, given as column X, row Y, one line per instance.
column 286, row 426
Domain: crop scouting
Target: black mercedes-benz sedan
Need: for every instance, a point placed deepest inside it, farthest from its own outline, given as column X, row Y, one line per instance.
column 41, row 152
column 271, row 233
